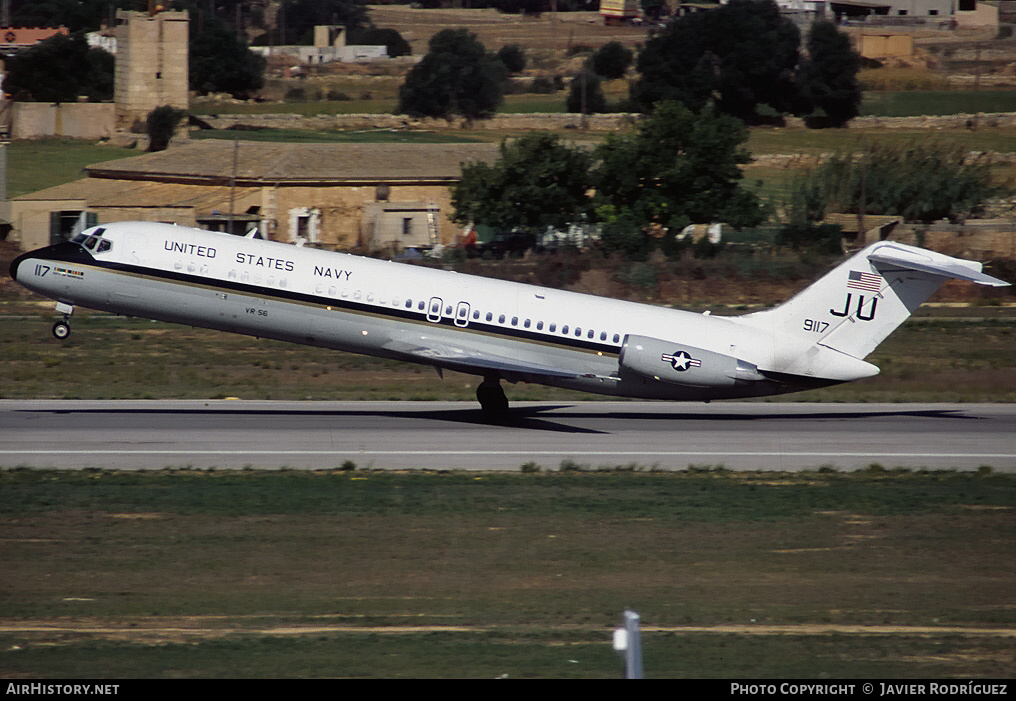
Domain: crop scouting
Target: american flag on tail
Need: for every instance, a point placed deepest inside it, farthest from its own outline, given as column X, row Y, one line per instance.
column 869, row 282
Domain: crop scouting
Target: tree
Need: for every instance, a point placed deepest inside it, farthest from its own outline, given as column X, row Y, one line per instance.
column 457, row 76
column 828, row 78
column 921, row 182
column 513, row 58
column 160, row 125
column 679, row 168
column 612, row 60
column 60, row 69
column 303, row 15
column 372, row 36
column 76, row 15
column 220, row 61
column 537, row 182
column 742, row 54
column 585, row 94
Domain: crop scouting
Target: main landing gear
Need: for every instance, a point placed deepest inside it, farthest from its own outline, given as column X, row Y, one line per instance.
column 493, row 402
column 62, row 328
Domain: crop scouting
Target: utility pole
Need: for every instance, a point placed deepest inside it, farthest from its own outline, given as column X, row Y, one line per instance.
column 232, row 184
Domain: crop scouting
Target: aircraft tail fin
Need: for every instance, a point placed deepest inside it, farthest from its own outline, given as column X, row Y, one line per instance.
column 854, row 307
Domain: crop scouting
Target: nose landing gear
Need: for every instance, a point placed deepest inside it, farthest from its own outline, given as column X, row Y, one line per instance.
column 62, row 328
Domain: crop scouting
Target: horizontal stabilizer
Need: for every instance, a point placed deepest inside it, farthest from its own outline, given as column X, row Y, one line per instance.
column 932, row 263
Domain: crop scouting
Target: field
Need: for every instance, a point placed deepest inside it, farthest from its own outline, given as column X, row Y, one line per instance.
column 106, row 357
column 361, row 574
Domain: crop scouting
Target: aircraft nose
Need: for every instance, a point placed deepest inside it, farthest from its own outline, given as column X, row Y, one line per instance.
column 67, row 251
column 13, row 269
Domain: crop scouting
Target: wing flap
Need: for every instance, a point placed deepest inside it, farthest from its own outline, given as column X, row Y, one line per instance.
column 458, row 355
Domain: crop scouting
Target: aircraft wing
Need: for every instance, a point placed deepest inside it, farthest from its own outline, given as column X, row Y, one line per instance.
column 427, row 349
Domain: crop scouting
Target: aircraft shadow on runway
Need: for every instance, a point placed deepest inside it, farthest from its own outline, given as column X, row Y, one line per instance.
column 530, row 417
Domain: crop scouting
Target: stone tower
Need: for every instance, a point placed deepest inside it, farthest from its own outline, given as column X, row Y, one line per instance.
column 151, row 64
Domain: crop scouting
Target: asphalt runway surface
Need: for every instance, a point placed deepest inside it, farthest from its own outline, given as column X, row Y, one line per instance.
column 153, row 434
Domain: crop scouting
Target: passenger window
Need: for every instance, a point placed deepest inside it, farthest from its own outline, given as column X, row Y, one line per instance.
column 409, row 304
column 500, row 319
column 553, row 328
column 617, row 338
column 526, row 323
column 476, row 315
column 421, row 305
column 590, row 334
column 515, row 321
column 489, row 316
column 603, row 335
column 578, row 331
column 564, row 329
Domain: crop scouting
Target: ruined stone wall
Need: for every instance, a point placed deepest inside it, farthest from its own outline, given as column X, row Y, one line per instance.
column 544, row 122
column 77, row 120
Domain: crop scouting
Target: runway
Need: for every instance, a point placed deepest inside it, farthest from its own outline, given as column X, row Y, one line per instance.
column 154, row 434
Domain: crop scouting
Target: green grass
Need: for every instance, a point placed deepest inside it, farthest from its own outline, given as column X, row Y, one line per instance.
column 450, row 575
column 766, row 140
column 108, row 357
column 36, row 165
column 937, row 102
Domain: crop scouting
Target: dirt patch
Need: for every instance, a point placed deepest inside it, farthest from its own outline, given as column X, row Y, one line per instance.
column 155, row 630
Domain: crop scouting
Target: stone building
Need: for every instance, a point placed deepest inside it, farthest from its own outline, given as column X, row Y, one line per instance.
column 340, row 196
column 151, row 64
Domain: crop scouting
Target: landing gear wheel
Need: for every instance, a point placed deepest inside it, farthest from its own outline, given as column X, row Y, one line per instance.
column 493, row 402
column 61, row 330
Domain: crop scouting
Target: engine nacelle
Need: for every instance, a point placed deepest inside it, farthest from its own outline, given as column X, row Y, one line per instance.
column 682, row 364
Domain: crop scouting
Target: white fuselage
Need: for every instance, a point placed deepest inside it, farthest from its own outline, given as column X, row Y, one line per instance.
column 476, row 325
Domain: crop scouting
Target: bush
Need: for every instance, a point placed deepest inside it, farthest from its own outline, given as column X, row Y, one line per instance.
column 545, row 86
column 612, row 60
column 585, row 91
column 823, row 238
column 513, row 58
column 160, row 125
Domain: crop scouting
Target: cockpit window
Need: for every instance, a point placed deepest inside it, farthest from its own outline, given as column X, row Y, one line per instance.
column 93, row 241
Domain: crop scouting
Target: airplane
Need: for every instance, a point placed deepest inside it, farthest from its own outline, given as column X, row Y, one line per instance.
column 493, row 329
